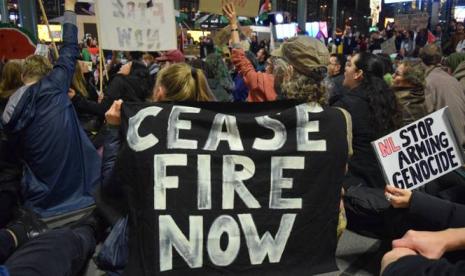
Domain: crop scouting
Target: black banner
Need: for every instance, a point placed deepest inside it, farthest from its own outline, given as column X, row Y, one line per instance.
column 238, row 189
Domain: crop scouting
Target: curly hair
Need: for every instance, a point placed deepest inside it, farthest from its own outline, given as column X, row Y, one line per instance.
column 414, row 73
column 306, row 87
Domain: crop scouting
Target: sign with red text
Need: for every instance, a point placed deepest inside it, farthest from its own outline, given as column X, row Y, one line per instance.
column 136, row 25
column 419, row 152
column 247, row 8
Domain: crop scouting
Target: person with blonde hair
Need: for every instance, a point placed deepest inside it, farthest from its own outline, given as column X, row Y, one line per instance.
column 181, row 82
column 10, row 80
column 177, row 82
column 85, row 100
column 62, row 166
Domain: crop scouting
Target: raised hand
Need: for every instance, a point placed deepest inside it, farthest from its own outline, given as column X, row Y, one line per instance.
column 113, row 115
column 70, row 5
column 230, row 12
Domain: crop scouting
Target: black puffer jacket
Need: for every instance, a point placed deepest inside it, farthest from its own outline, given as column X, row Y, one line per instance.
column 132, row 88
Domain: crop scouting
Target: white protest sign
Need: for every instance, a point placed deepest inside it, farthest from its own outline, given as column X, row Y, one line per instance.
column 132, row 25
column 419, row 152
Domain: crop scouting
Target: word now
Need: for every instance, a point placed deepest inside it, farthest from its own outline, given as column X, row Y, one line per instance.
column 191, row 250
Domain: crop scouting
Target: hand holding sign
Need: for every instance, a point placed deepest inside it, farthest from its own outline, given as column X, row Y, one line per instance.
column 113, row 115
column 420, row 152
column 398, row 198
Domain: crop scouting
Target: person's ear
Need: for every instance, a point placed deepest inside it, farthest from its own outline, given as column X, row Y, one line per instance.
column 159, row 93
column 358, row 75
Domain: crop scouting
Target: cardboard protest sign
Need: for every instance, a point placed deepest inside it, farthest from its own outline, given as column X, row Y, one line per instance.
column 412, row 22
column 129, row 25
column 420, row 152
column 389, row 46
column 247, row 8
column 232, row 188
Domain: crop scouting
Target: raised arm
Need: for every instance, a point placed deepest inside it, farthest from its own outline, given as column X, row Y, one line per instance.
column 260, row 84
column 63, row 70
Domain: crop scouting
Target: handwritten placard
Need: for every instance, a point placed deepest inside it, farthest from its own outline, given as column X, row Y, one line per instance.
column 420, row 152
column 131, row 25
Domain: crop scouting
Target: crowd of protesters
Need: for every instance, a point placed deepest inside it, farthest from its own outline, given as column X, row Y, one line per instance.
column 59, row 134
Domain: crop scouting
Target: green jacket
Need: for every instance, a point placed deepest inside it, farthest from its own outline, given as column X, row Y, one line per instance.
column 86, row 55
column 412, row 103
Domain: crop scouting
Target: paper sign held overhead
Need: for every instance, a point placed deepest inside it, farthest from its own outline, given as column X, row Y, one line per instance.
column 413, row 22
column 131, row 25
column 247, row 8
column 420, row 152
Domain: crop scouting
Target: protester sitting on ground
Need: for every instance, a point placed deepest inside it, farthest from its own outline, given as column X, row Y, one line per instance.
column 152, row 65
column 420, row 252
column 219, row 79
column 81, row 93
column 280, row 69
column 241, row 91
column 408, row 44
column 170, row 57
column 335, row 78
column 132, row 84
column 301, row 76
column 62, row 167
column 10, row 165
column 26, row 249
column 409, row 87
column 85, row 54
column 178, row 83
column 10, row 81
column 388, row 67
column 456, row 65
column 261, row 85
column 443, row 90
column 262, row 57
column 375, row 113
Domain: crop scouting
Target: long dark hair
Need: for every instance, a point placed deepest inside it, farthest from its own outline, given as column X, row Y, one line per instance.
column 384, row 109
